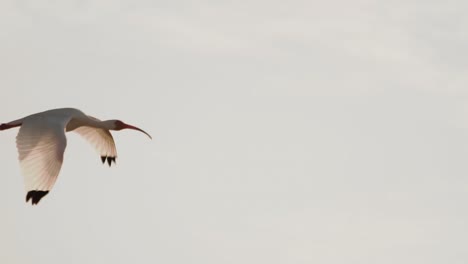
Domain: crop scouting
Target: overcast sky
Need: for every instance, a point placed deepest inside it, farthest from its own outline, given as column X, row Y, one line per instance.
column 283, row 131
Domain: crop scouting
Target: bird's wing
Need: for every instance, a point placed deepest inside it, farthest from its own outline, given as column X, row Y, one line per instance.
column 101, row 140
column 41, row 143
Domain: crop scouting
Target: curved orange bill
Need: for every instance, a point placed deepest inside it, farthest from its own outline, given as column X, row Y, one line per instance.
column 136, row 128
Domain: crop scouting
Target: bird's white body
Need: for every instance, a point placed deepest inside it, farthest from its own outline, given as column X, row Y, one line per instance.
column 41, row 143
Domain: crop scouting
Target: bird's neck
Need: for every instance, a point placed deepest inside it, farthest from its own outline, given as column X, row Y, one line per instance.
column 106, row 124
column 90, row 122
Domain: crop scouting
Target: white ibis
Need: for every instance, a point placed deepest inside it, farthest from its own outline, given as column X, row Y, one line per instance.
column 41, row 143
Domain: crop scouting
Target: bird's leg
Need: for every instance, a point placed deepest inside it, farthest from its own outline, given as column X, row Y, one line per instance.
column 8, row 126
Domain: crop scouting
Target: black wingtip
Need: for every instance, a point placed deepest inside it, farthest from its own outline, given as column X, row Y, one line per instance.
column 35, row 196
column 108, row 159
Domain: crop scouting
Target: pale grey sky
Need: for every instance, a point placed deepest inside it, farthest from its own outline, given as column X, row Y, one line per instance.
column 283, row 132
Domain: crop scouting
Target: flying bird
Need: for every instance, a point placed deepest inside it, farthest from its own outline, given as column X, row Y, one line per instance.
column 41, row 143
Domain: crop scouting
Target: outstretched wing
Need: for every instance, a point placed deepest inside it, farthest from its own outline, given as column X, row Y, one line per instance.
column 41, row 143
column 101, row 140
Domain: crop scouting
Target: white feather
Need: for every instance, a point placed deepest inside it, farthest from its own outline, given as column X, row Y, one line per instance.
column 41, row 143
column 100, row 139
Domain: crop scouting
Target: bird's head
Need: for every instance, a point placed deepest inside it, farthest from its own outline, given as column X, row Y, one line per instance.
column 119, row 125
